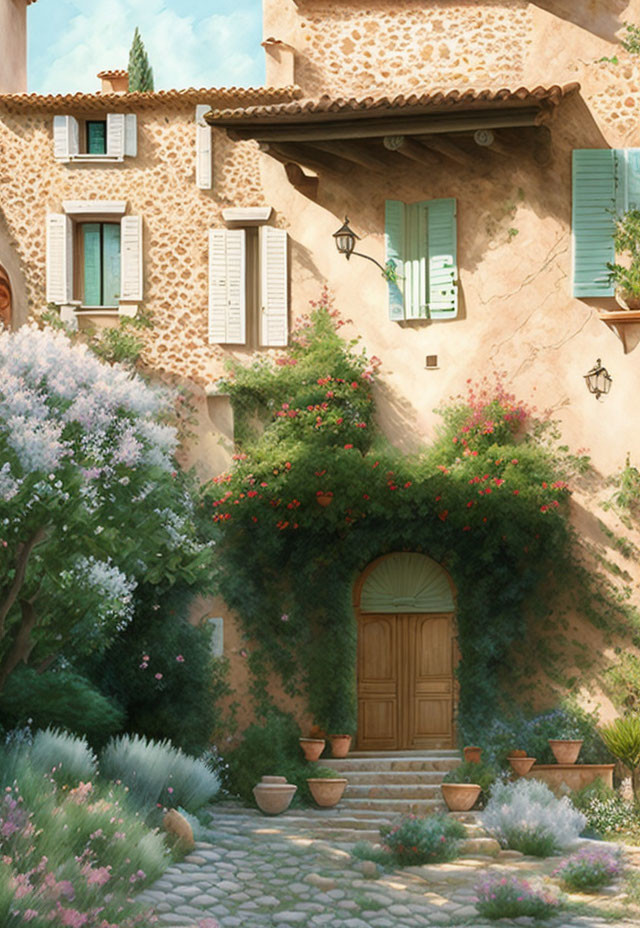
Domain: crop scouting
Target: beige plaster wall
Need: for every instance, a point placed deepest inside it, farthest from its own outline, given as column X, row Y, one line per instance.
column 13, row 46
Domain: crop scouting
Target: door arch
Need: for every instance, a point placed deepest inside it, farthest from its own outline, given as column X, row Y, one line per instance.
column 407, row 652
column 6, row 308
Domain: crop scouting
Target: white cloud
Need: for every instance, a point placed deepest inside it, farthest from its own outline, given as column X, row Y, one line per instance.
column 221, row 49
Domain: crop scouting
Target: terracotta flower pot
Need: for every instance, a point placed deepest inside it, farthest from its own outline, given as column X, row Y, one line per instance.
column 273, row 795
column 340, row 745
column 626, row 300
column 323, row 499
column 312, row 747
column 565, row 751
column 521, row 765
column 327, row 791
column 460, row 797
column 472, row 754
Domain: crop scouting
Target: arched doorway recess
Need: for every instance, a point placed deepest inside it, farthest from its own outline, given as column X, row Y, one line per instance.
column 407, row 654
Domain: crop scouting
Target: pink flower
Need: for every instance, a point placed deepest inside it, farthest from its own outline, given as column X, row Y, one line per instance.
column 144, row 665
column 284, row 618
column 180, row 659
column 158, row 676
column 145, row 657
column 169, row 789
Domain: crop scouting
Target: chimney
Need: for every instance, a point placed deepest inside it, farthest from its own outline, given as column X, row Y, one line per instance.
column 13, row 46
column 114, row 81
column 280, row 63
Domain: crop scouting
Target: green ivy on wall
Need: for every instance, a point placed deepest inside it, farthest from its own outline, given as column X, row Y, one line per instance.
column 487, row 500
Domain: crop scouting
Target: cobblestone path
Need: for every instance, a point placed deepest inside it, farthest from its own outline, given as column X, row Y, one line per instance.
column 250, row 870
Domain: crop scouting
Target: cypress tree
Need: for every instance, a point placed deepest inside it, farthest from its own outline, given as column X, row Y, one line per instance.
column 140, row 71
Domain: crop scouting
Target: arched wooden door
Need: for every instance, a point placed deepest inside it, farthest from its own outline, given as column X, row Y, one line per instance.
column 406, row 655
column 5, row 299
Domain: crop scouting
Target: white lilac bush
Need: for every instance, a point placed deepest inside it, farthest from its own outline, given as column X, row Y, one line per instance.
column 92, row 503
column 526, row 816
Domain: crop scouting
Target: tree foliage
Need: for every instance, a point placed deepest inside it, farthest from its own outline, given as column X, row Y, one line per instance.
column 91, row 502
column 140, row 71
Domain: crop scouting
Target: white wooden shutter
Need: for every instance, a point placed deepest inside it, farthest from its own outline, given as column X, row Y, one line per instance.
column 65, row 137
column 131, row 135
column 131, row 258
column 227, row 273
column 204, row 149
column 274, row 329
column 115, row 135
column 59, row 258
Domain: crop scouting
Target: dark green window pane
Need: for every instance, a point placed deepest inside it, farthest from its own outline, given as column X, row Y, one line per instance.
column 92, row 263
column 110, row 264
column 96, row 138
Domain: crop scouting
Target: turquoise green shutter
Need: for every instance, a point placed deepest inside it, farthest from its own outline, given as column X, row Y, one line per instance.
column 594, row 205
column 92, row 264
column 631, row 158
column 96, row 137
column 443, row 259
column 394, row 243
column 111, row 264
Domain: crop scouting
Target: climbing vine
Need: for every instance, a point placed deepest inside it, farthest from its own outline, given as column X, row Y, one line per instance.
column 316, row 494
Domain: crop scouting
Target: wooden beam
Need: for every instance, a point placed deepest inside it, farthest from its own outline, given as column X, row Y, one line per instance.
column 486, row 138
column 359, row 128
column 304, row 183
column 364, row 157
column 303, row 155
column 409, row 148
column 449, row 150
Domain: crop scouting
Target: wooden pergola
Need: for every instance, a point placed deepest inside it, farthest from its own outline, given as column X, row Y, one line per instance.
column 378, row 133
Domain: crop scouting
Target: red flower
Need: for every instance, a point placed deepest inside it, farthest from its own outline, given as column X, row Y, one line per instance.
column 347, row 447
column 407, row 485
column 443, row 515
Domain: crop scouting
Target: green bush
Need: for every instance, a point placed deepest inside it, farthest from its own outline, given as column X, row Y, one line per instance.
column 68, row 759
column 267, row 749
column 622, row 738
column 606, row 811
column 500, row 896
column 430, row 840
column 590, row 869
column 62, row 699
column 156, row 773
column 182, row 704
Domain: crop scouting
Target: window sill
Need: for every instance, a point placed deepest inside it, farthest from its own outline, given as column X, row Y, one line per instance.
column 91, row 159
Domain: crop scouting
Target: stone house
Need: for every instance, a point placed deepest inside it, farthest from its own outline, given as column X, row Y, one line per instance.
column 481, row 146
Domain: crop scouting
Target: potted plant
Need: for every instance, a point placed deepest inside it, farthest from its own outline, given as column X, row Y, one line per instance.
column 520, row 763
column 273, row 795
column 327, row 788
column 462, row 787
column 312, row 747
column 626, row 276
column 566, row 748
column 340, row 745
column 472, row 754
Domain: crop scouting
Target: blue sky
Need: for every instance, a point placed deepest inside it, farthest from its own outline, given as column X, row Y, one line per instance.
column 191, row 43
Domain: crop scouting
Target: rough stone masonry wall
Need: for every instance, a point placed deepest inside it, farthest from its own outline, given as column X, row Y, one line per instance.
column 159, row 185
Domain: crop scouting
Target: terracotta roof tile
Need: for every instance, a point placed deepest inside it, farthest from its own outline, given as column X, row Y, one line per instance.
column 108, row 75
column 455, row 99
column 215, row 96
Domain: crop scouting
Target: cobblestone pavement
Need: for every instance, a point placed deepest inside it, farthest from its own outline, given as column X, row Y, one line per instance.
column 250, row 870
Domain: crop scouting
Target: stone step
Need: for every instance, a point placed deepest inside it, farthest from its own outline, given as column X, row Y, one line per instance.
column 395, row 777
column 394, row 806
column 434, row 753
column 393, row 791
column 387, row 764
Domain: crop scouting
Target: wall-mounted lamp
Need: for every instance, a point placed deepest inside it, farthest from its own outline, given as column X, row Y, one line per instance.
column 598, row 380
column 346, row 239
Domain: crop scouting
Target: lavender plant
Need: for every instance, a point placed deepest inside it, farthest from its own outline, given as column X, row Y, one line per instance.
column 527, row 817
column 500, row 896
column 590, row 869
column 91, row 501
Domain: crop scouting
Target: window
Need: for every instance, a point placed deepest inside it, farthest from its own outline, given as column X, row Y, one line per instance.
column 248, row 286
column 204, row 149
column 421, row 244
column 96, row 130
column 606, row 182
column 94, row 256
column 99, row 263
column 109, row 138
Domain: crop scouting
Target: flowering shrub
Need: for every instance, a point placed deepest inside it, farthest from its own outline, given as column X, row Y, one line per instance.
column 527, row 817
column 489, row 484
column 91, row 504
column 73, row 857
column 430, row 840
column 156, row 773
column 590, row 869
column 607, row 813
column 509, row 897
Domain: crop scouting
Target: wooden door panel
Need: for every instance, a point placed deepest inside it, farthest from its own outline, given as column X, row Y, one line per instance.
column 432, row 646
column 378, row 682
column 430, row 712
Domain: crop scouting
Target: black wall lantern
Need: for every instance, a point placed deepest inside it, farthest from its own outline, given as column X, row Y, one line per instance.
column 598, row 380
column 346, row 238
